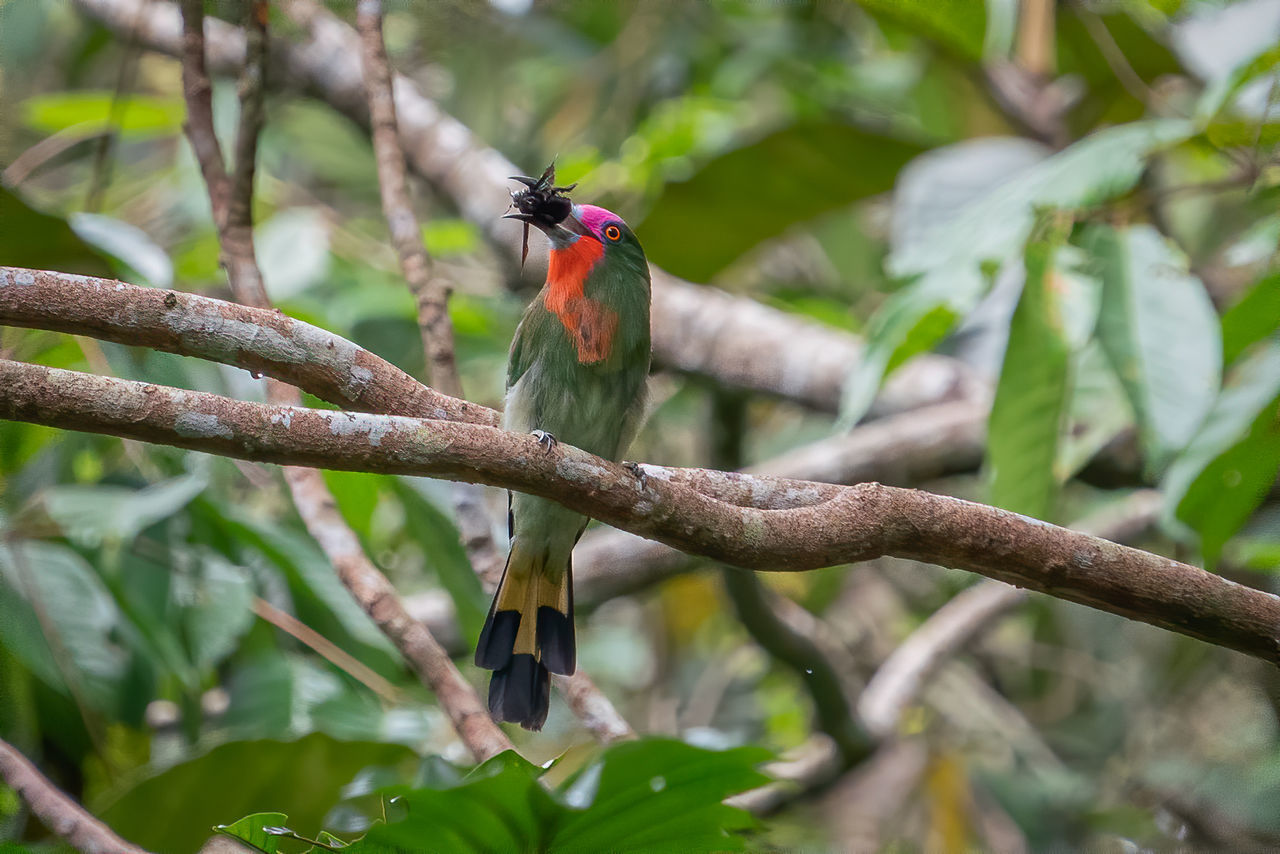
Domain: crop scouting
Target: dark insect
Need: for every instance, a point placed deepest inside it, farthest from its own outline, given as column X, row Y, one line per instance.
column 541, row 200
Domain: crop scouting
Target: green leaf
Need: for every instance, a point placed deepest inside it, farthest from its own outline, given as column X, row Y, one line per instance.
column 447, row 238
column 664, row 795
column 1253, row 318
column 654, row 795
column 1217, row 96
column 320, row 599
column 698, row 226
column 249, row 830
column 1098, row 410
column 92, row 515
column 42, row 242
column 985, row 232
column 993, row 226
column 300, row 778
column 1226, row 471
column 910, row 322
column 1159, row 330
column 437, row 536
column 957, row 25
column 128, row 244
column 136, row 117
column 60, row 621
column 217, row 610
column 1026, row 417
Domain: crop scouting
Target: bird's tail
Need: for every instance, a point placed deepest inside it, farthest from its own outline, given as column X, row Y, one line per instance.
column 527, row 636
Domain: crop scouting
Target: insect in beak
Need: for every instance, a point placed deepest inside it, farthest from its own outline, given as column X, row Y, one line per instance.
column 540, row 203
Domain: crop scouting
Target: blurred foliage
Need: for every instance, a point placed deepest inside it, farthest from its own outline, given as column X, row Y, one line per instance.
column 1114, row 280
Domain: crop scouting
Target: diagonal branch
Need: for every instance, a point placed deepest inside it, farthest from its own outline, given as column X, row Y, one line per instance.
column 60, row 814
column 824, row 525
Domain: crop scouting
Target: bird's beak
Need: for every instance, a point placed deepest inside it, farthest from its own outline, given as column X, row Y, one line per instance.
column 559, row 233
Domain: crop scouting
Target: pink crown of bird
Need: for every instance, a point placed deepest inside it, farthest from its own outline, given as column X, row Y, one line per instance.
column 576, row 374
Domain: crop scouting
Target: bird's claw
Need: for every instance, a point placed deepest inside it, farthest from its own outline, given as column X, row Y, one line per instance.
column 545, row 439
column 638, row 472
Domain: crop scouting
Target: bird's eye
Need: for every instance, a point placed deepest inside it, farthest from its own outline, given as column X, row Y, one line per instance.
column 612, row 232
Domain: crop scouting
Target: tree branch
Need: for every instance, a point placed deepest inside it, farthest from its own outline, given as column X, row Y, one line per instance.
column 66, row 818
column 823, row 525
column 696, row 329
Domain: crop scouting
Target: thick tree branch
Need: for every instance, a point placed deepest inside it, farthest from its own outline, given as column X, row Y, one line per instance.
column 696, row 329
column 66, row 818
column 267, row 342
column 824, row 525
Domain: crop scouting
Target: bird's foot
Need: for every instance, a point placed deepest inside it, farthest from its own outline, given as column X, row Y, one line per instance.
column 637, row 472
column 545, row 439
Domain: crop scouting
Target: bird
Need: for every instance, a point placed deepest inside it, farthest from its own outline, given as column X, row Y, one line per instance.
column 576, row 374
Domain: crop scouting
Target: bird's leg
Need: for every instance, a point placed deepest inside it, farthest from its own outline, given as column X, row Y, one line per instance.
column 637, row 471
column 545, row 439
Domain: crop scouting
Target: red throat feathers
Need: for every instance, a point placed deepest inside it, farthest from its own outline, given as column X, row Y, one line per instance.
column 590, row 323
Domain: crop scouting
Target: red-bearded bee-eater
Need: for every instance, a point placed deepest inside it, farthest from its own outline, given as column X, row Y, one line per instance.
column 576, row 374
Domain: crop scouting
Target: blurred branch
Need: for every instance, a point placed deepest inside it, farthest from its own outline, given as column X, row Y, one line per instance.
column 1113, row 55
column 326, row 649
column 588, row 703
column 232, row 200
column 751, row 603
column 63, row 816
column 696, row 329
column 903, row 674
column 823, row 525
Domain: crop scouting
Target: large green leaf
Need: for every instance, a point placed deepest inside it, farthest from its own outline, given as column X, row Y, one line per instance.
column 174, row 811
column 957, row 25
column 1226, row 471
column 437, row 536
column 134, row 116
column 1253, row 318
column 1026, row 417
column 662, row 795
column 320, row 599
column 698, row 226
column 60, row 621
column 951, row 255
column 1160, row 331
column 43, row 242
column 251, row 830
column 92, row 515
column 654, row 795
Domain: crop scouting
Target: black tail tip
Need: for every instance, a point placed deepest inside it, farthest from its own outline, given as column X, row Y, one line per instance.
column 520, row 692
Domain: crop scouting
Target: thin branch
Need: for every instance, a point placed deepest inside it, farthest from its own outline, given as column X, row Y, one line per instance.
column 326, row 649
column 406, row 234
column 592, row 708
column 696, row 329
column 1114, row 56
column 903, row 674
column 252, row 115
column 824, row 525
column 63, row 816
column 197, row 90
